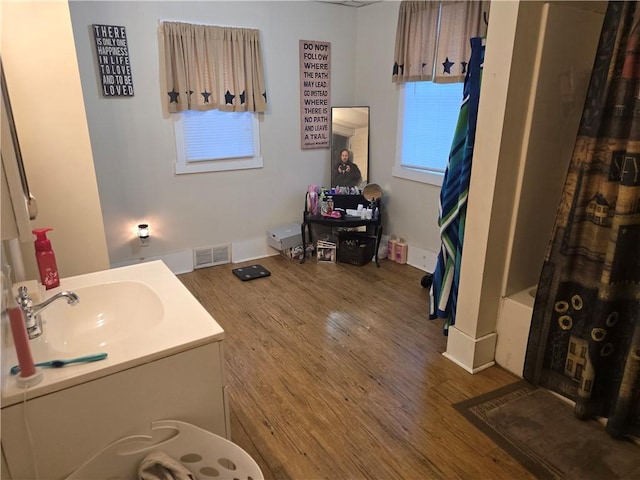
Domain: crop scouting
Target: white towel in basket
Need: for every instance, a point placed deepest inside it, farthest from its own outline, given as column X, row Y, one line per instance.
column 160, row 466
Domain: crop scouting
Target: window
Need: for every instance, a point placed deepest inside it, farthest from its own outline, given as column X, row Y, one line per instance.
column 569, row 365
column 213, row 141
column 428, row 117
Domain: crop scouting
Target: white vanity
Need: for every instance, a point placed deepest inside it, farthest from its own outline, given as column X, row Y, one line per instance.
column 165, row 362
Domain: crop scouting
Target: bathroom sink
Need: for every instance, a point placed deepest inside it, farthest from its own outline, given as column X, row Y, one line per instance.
column 135, row 314
column 164, row 359
column 106, row 314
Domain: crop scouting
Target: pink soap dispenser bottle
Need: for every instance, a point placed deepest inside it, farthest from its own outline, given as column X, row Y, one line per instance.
column 46, row 259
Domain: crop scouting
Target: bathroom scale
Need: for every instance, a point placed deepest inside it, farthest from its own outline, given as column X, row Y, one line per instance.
column 251, row 272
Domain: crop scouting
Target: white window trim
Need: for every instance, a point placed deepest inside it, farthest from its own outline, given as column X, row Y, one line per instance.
column 182, row 166
column 422, row 176
column 430, row 177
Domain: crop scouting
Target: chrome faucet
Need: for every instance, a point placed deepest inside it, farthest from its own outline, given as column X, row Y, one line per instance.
column 32, row 312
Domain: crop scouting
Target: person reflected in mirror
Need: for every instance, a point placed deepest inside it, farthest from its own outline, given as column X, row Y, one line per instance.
column 346, row 173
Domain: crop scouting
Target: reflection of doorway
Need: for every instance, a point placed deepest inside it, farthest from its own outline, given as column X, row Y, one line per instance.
column 350, row 130
column 338, row 143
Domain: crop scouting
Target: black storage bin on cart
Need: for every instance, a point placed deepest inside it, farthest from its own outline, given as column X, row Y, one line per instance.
column 356, row 248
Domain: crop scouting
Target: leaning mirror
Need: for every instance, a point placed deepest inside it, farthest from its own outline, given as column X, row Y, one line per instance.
column 349, row 146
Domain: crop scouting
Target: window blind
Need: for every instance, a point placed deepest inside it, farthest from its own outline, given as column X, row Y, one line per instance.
column 216, row 135
column 429, row 121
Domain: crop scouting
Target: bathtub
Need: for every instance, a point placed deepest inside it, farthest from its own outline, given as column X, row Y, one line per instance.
column 514, row 322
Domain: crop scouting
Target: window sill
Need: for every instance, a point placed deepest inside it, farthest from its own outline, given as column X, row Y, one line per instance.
column 219, row 165
column 431, row 178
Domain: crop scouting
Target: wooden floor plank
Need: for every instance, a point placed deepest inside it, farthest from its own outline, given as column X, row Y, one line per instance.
column 335, row 372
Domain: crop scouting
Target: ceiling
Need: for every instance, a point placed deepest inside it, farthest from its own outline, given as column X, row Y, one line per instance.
column 351, row 3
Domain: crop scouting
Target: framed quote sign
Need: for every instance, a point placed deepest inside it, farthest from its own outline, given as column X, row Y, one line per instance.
column 315, row 98
column 114, row 68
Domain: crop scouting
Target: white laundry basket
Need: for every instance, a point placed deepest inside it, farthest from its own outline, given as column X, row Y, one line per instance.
column 206, row 455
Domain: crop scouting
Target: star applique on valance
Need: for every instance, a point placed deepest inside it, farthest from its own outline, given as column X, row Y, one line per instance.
column 173, row 96
column 447, row 65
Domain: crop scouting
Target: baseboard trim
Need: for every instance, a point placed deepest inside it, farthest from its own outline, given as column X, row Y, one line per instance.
column 472, row 354
column 470, row 370
column 178, row 262
column 257, row 248
column 421, row 258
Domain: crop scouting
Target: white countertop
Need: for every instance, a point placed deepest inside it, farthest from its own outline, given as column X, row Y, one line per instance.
column 185, row 325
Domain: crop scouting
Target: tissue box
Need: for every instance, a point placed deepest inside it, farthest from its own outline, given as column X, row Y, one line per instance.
column 287, row 236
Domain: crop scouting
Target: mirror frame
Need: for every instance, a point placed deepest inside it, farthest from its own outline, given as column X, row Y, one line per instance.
column 350, row 131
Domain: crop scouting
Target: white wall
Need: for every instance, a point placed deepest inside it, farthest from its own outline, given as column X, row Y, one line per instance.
column 133, row 142
column 133, row 145
column 411, row 208
column 41, row 70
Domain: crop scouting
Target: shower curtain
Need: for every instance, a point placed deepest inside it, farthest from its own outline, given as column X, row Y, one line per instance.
column 584, row 341
column 453, row 195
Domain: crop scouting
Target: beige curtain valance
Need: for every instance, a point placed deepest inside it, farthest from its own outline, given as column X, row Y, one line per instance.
column 433, row 39
column 213, row 68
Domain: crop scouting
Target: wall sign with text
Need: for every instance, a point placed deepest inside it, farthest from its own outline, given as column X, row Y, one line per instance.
column 315, row 98
column 114, row 68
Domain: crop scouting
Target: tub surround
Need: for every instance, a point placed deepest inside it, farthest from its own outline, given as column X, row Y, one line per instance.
column 514, row 323
column 541, row 56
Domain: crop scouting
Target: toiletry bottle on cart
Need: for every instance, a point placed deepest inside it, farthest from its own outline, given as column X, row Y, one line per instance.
column 323, row 202
column 46, row 259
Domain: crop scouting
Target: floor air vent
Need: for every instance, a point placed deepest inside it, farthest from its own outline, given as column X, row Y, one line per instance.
column 210, row 256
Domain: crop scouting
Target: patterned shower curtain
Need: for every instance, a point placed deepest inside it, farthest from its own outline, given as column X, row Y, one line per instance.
column 584, row 341
column 453, row 195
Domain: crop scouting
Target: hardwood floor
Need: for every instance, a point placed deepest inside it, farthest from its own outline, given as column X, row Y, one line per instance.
column 335, row 372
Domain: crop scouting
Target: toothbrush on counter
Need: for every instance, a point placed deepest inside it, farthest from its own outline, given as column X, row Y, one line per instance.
column 61, row 363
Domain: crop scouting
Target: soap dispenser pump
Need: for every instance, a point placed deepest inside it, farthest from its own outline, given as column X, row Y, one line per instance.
column 46, row 259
